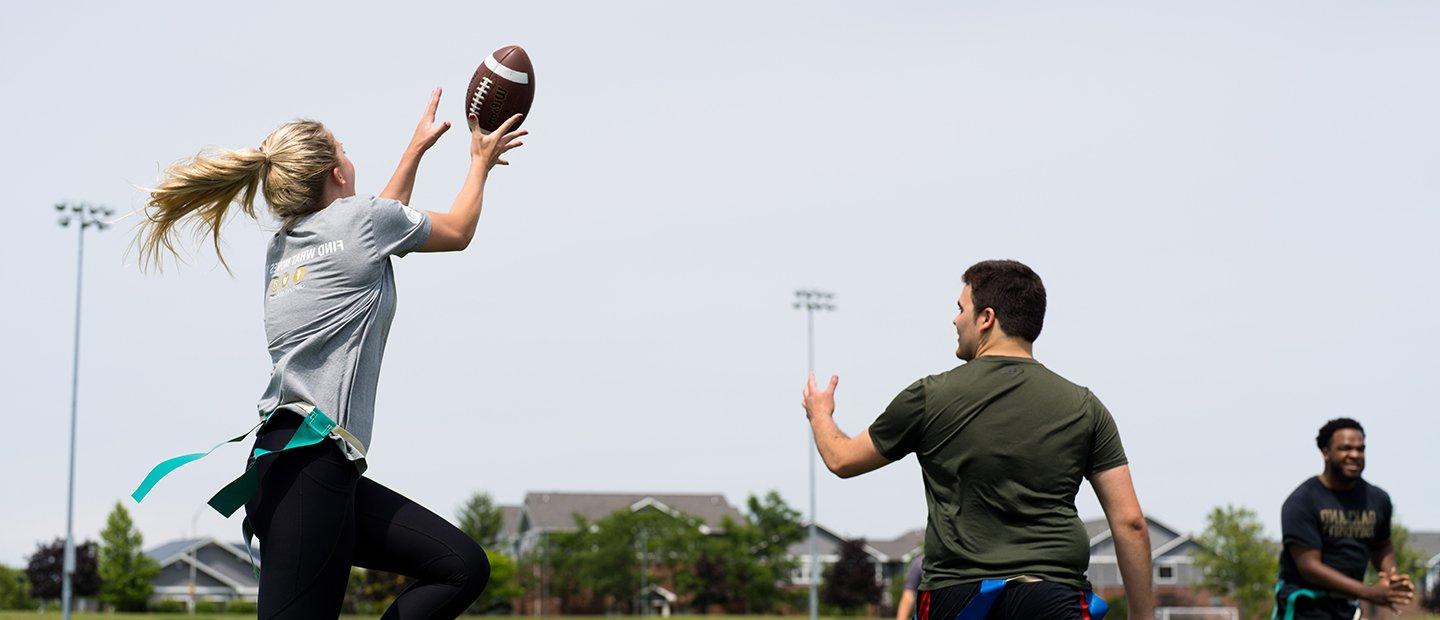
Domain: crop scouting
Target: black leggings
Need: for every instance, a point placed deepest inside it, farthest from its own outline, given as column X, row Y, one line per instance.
column 316, row 516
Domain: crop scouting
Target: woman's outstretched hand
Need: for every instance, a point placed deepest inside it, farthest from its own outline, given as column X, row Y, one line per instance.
column 427, row 132
column 490, row 147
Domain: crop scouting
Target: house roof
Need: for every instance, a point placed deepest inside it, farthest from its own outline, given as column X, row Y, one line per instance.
column 202, row 554
column 1099, row 532
column 556, row 511
column 1428, row 543
column 828, row 543
column 170, row 549
column 901, row 547
column 167, row 552
column 510, row 517
column 1096, row 527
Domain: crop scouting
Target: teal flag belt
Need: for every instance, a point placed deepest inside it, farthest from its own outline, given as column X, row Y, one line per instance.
column 315, row 428
column 1299, row 593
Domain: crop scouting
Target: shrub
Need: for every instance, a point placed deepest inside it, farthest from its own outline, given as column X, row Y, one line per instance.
column 167, row 607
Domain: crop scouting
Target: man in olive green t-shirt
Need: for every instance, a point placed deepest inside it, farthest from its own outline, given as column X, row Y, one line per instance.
column 1003, row 443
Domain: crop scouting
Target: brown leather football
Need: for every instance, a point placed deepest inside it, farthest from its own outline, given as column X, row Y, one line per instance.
column 504, row 85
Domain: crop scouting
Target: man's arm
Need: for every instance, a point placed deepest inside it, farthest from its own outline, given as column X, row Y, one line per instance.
column 906, row 609
column 1128, row 528
column 1314, row 570
column 844, row 456
column 1383, row 557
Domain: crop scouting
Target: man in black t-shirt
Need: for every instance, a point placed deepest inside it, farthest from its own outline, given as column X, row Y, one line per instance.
column 1333, row 525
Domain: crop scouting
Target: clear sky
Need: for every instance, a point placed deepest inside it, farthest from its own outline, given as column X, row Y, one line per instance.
column 1233, row 205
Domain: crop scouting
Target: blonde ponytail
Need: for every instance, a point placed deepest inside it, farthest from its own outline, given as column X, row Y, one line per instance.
column 291, row 163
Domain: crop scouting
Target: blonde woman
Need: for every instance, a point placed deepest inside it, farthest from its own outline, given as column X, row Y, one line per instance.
column 329, row 299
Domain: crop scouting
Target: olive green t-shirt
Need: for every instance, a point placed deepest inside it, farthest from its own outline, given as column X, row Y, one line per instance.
column 1002, row 443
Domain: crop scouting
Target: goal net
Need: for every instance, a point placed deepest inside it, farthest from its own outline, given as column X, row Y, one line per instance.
column 1197, row 613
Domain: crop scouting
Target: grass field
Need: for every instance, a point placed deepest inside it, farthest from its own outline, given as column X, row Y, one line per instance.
column 55, row 615
column 30, row 615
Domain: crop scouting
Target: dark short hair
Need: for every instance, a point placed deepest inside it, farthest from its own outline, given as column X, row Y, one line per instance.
column 1014, row 291
column 1322, row 440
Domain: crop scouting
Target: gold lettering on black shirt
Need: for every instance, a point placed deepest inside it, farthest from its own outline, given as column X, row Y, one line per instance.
column 1337, row 523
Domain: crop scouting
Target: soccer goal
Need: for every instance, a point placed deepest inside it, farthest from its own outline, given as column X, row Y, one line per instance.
column 1197, row 613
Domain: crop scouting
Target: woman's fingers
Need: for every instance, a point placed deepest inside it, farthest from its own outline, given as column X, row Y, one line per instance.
column 434, row 104
column 512, row 145
column 509, row 122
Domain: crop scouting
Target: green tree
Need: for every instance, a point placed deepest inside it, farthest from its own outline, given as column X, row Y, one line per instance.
column 354, row 588
column 480, row 518
column 597, row 567
column 559, row 570
column 378, row 589
column 715, row 578
column 504, row 586
column 741, row 568
column 125, row 571
column 14, row 589
column 613, row 557
column 850, row 582
column 1408, row 558
column 1238, row 561
column 1119, row 608
column 771, row 527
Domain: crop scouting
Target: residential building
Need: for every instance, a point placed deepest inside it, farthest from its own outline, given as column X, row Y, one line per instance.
column 216, row 571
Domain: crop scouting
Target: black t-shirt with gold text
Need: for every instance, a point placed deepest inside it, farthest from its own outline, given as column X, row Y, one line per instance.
column 1344, row 525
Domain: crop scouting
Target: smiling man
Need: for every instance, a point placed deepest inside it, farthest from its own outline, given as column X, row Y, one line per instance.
column 1333, row 525
column 1003, row 443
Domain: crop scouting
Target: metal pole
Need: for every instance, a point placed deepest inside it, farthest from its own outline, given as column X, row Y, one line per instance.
column 84, row 216
column 644, row 572
column 812, row 300
column 814, row 448
column 69, row 568
column 194, row 557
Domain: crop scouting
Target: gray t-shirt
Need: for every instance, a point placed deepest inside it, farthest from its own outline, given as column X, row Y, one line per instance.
column 329, row 300
column 912, row 574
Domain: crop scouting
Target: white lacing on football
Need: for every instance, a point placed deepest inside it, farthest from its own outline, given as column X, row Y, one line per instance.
column 477, row 99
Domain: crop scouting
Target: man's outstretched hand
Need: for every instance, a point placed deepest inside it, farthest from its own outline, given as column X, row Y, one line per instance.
column 817, row 401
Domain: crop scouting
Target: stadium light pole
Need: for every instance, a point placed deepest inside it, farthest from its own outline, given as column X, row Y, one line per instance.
column 84, row 215
column 812, row 301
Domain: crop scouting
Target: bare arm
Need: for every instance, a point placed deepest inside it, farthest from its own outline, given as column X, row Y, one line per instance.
column 906, row 608
column 426, row 133
column 1390, row 590
column 844, row 456
column 1116, row 493
column 1383, row 557
column 452, row 231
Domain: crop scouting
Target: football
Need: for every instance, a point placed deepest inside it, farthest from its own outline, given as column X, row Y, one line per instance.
column 504, row 85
